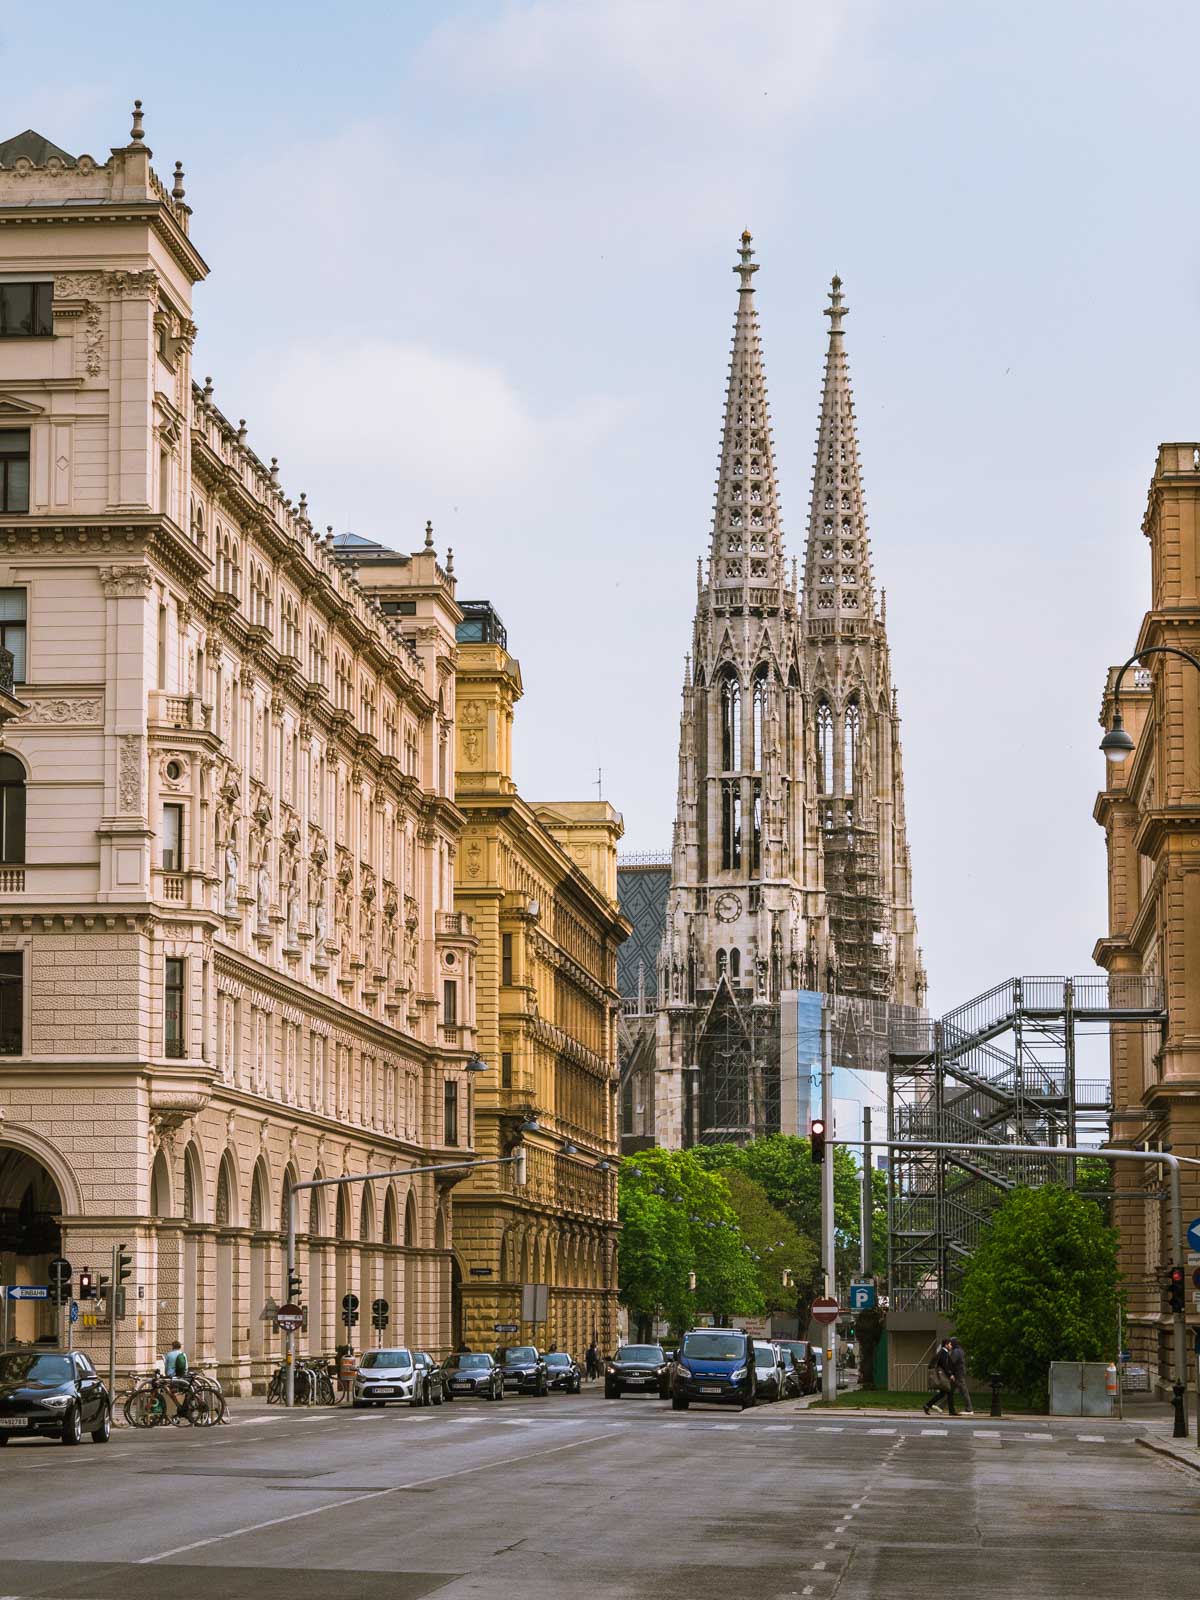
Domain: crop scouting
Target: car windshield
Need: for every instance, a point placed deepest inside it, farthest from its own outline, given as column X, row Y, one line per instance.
column 798, row 1347
column 26, row 1366
column 764, row 1355
column 558, row 1358
column 468, row 1363
column 641, row 1352
column 714, row 1346
column 385, row 1358
column 520, row 1352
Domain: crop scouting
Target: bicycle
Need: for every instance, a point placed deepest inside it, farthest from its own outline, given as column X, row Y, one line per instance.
column 155, row 1402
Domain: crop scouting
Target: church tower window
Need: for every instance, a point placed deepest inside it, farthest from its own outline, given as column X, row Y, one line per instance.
column 825, row 748
column 759, row 714
column 731, row 824
column 731, row 723
column 853, row 741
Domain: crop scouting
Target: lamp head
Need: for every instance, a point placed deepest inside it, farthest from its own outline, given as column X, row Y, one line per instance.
column 1116, row 743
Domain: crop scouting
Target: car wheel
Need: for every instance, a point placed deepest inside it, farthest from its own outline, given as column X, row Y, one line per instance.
column 103, row 1433
column 678, row 1403
column 748, row 1400
column 4, row 1437
column 357, row 1405
column 611, row 1392
column 544, row 1388
column 435, row 1396
column 72, row 1427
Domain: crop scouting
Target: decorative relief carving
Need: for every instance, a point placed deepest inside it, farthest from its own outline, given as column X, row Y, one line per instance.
column 93, row 339
column 472, row 714
column 60, row 709
column 472, row 745
column 129, row 775
column 78, row 285
column 131, row 285
column 119, row 581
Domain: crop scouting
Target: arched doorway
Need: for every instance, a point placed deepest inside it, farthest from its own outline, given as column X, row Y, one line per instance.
column 30, row 1238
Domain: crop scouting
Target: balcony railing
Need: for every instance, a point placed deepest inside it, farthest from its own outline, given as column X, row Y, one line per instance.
column 453, row 924
column 12, row 880
column 173, row 887
column 180, row 711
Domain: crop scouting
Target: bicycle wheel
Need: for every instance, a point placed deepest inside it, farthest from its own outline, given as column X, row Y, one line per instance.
column 142, row 1409
column 208, row 1407
column 325, row 1392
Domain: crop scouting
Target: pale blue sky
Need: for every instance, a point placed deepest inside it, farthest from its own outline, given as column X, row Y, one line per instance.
column 472, row 262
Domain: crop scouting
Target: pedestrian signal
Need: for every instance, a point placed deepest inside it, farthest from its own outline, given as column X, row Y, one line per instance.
column 87, row 1287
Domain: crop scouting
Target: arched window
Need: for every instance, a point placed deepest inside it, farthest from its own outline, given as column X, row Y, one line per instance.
column 853, row 739
column 731, row 723
column 314, row 1212
column 366, row 1218
column 735, row 963
column 722, row 961
column 824, row 748
column 12, row 810
column 759, row 708
column 731, row 824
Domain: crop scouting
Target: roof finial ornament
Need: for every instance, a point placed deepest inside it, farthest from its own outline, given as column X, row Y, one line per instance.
column 450, row 561
column 748, row 266
column 137, row 133
column 429, row 535
column 835, row 310
column 177, row 192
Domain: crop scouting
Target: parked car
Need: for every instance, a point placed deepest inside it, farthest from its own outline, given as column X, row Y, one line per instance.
column 385, row 1377
column 523, row 1369
column 791, row 1387
column 806, row 1360
column 470, row 1372
column 637, row 1368
column 564, row 1371
column 768, row 1365
column 432, row 1387
column 715, row 1366
column 55, row 1393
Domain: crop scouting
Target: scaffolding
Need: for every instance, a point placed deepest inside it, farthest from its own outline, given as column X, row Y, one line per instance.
column 858, row 914
column 1001, row 1069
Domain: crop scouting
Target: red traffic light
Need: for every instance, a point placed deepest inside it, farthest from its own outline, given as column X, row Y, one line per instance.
column 1175, row 1289
column 816, row 1139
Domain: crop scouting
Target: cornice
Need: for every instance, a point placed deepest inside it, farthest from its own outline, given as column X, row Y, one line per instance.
column 106, row 213
column 1164, row 823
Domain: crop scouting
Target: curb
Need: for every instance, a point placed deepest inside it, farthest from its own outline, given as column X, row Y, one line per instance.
column 1169, row 1454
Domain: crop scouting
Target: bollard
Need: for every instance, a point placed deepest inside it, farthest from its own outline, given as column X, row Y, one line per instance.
column 1181, row 1431
column 994, row 1380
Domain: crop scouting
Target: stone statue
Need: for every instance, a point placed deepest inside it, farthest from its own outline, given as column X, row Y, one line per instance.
column 264, row 892
column 322, row 923
column 293, row 915
column 231, row 879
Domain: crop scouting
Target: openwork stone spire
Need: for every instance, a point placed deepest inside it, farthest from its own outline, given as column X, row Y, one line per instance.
column 838, row 586
column 747, row 548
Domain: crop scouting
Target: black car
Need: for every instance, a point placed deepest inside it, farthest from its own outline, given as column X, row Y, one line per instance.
column 793, row 1378
column 468, row 1372
column 55, row 1393
column 431, row 1388
column 564, row 1371
column 523, row 1369
column 806, row 1360
column 637, row 1369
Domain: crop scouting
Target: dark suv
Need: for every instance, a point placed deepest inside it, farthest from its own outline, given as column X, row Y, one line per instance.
column 523, row 1369
column 636, row 1368
column 716, row 1367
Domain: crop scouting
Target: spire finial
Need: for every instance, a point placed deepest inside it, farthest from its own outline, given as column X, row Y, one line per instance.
column 177, row 192
column 450, row 561
column 835, row 310
column 747, row 267
column 137, row 133
column 429, row 536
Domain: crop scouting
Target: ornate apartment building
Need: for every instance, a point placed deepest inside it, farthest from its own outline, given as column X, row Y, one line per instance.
column 230, row 958
column 1150, row 812
column 538, row 885
column 790, row 863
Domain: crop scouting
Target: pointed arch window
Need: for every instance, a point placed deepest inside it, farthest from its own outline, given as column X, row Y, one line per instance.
column 735, row 963
column 853, row 742
column 824, row 748
column 759, row 715
column 731, row 824
column 756, row 827
column 722, row 963
column 731, row 723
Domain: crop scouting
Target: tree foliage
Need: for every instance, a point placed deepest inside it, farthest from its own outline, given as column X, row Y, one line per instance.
column 776, row 1245
column 677, row 1217
column 1040, row 1287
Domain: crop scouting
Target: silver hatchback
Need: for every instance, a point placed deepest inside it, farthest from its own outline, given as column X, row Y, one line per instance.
column 385, row 1377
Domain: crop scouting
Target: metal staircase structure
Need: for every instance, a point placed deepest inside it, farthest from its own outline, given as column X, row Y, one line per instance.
column 1000, row 1069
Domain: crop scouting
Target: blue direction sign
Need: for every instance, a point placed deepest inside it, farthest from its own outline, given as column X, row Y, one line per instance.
column 862, row 1297
column 28, row 1291
column 1193, row 1235
column 74, row 1311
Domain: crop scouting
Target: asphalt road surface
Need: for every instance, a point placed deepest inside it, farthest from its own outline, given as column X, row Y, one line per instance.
column 577, row 1496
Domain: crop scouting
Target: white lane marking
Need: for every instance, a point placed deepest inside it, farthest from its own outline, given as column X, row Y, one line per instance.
column 856, row 1505
column 807, row 1589
column 934, row 1433
column 985, row 1433
column 828, row 1429
column 778, row 1427
column 1092, row 1438
column 1038, row 1438
column 831, row 1547
column 881, row 1430
column 818, row 1566
column 372, row 1494
column 719, row 1427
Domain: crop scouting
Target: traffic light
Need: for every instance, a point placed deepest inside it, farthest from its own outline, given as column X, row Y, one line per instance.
column 87, row 1288
column 816, row 1139
column 123, row 1263
column 294, row 1286
column 1175, row 1289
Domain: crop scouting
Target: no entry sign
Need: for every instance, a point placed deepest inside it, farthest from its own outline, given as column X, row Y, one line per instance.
column 825, row 1309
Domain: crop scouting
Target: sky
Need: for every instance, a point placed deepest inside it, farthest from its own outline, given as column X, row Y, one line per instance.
column 471, row 262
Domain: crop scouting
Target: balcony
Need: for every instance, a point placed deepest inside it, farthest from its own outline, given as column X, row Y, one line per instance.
column 183, row 711
column 453, row 925
column 12, row 880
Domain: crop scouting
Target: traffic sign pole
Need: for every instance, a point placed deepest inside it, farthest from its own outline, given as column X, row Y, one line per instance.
column 828, row 1257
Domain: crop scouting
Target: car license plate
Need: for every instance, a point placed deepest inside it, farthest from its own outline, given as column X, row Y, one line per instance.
column 380, row 1390
column 710, row 1388
column 14, row 1422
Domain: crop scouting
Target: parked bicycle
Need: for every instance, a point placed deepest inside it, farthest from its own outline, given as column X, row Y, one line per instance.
column 156, row 1401
column 312, row 1384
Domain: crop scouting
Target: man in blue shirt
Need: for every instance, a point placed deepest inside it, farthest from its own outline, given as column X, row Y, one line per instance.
column 175, row 1362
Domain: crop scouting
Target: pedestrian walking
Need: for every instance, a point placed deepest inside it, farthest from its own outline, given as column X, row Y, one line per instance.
column 592, row 1361
column 958, row 1363
column 942, row 1372
column 175, row 1362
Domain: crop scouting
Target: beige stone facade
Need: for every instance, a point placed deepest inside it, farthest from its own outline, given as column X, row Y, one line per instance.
column 1150, row 813
column 230, row 957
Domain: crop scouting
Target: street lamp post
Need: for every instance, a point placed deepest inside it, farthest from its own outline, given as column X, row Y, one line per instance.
column 1117, row 743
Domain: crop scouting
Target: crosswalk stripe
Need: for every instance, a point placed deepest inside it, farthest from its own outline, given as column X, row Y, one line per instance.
column 881, row 1430
column 1092, row 1438
column 1037, row 1438
column 934, row 1433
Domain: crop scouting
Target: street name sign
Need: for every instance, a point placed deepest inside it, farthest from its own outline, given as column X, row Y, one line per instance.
column 504, row 1327
column 825, row 1309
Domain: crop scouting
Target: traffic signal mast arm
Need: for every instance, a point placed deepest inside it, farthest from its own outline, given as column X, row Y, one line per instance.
column 1146, row 1157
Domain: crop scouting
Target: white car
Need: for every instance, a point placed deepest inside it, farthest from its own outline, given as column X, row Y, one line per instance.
column 385, row 1377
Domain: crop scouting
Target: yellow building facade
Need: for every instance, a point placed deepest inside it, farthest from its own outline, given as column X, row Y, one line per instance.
column 1150, row 813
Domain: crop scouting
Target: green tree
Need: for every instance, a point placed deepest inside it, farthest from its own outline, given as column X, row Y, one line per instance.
column 1040, row 1287
column 776, row 1245
column 677, row 1218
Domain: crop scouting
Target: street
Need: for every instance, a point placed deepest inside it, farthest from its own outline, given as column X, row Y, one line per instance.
column 570, row 1496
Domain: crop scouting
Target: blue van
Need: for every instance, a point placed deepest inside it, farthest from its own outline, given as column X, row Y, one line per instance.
column 715, row 1366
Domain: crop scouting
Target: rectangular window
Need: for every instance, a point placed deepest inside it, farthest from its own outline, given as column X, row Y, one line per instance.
column 162, row 647
column 172, row 839
column 12, row 1001
column 450, row 1003
column 506, row 959
column 13, row 626
column 173, row 1033
column 506, row 1069
column 14, row 469
column 12, row 811
column 450, row 1111
column 25, row 310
